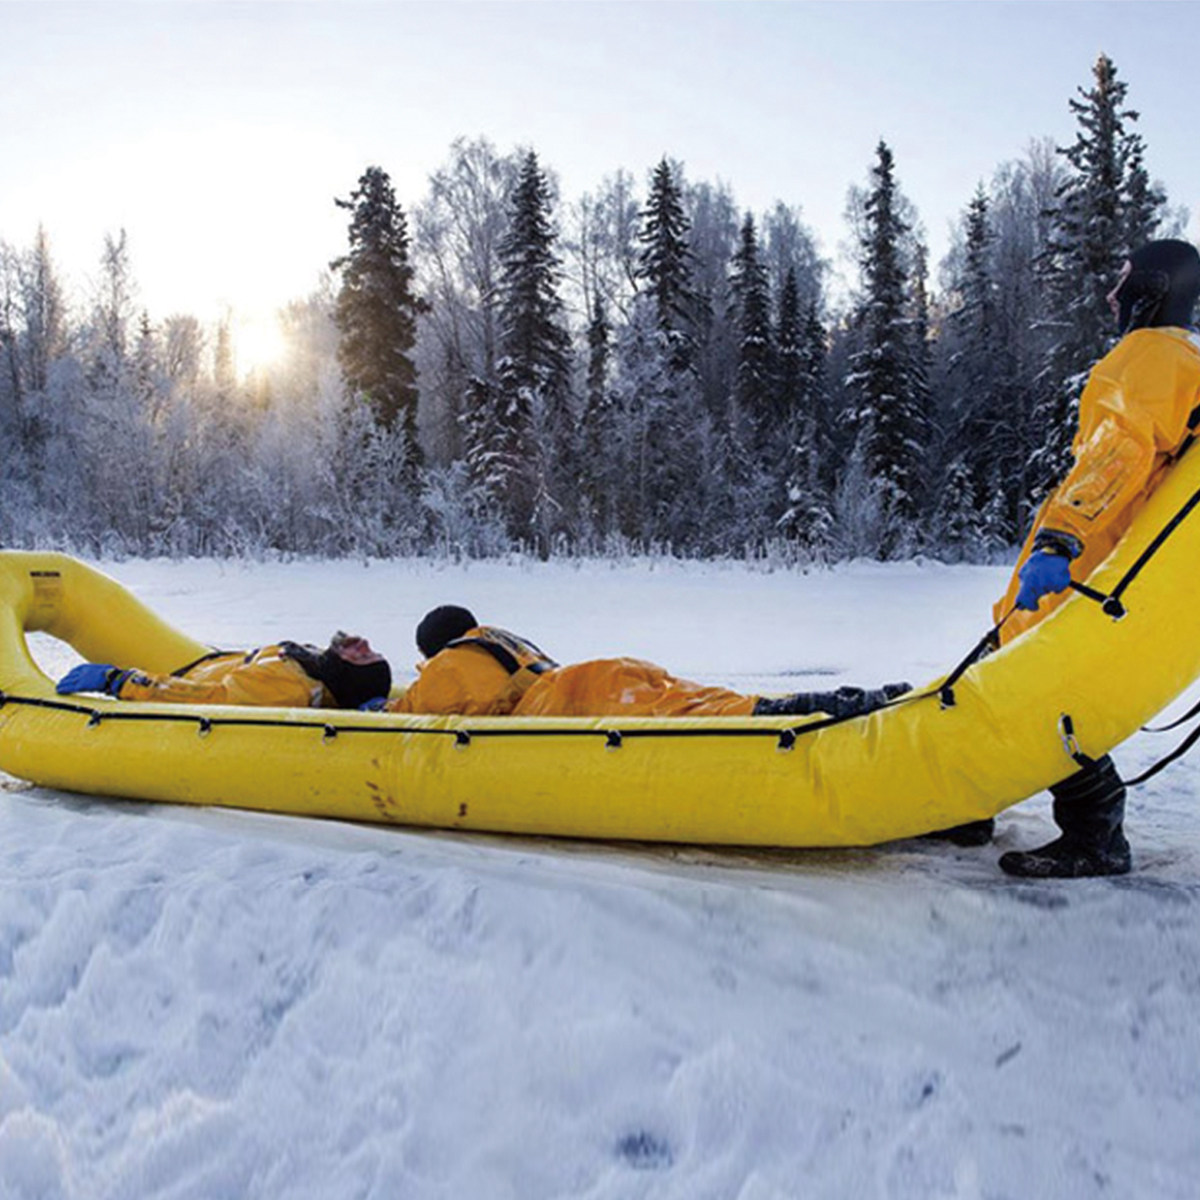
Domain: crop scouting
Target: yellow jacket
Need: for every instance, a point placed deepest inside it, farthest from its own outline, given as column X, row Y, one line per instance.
column 261, row 677
column 466, row 678
column 469, row 676
column 1133, row 416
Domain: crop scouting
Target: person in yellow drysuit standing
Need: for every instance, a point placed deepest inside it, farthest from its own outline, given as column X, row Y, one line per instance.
column 1133, row 419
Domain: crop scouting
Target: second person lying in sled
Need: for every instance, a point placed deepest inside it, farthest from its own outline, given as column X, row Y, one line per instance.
column 480, row 670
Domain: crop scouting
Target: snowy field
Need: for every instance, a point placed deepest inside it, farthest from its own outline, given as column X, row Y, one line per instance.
column 216, row 1004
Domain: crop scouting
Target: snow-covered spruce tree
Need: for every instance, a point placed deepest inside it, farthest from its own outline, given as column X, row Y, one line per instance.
column 755, row 391
column 1103, row 209
column 598, row 485
column 805, row 518
column 921, row 349
column 534, row 363
column 665, row 264
column 889, row 422
column 376, row 307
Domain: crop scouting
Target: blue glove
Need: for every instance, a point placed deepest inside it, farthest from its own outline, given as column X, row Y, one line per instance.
column 92, row 677
column 375, row 705
column 1043, row 574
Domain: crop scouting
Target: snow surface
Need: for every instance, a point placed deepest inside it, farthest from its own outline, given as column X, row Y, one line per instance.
column 209, row 1003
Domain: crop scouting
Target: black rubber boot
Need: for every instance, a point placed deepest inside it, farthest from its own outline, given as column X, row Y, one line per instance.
column 845, row 702
column 971, row 833
column 1089, row 808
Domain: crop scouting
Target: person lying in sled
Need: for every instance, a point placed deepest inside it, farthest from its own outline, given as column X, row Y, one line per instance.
column 346, row 674
column 480, row 670
column 1133, row 420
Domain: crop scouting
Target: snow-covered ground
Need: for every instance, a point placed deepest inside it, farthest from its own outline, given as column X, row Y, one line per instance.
column 207, row 1003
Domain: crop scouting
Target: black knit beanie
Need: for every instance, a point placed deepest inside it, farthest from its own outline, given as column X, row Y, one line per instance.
column 1161, row 287
column 442, row 625
column 350, row 684
column 353, row 684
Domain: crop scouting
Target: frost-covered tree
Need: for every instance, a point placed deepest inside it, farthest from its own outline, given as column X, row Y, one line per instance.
column 890, row 423
column 657, row 477
column 43, row 309
column 1020, row 195
column 1103, row 208
column 665, row 263
column 755, row 392
column 714, row 223
column 33, row 337
column 224, row 373
column 603, row 246
column 457, row 230
column 530, row 426
column 111, row 418
column 981, row 415
column 376, row 308
column 805, row 518
column 534, row 342
column 595, row 479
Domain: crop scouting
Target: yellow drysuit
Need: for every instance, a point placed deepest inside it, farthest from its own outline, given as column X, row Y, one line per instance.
column 1133, row 417
column 467, row 678
column 265, row 677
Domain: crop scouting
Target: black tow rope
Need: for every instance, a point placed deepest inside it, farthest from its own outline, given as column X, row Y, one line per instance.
column 1179, row 751
column 986, row 644
column 1111, row 603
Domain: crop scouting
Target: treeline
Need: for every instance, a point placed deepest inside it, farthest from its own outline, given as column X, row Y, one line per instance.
column 637, row 370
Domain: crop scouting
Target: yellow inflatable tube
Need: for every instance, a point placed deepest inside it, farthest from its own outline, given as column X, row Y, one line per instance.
column 916, row 766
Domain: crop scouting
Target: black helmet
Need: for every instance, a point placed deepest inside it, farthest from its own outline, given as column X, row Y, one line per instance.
column 1161, row 288
column 441, row 626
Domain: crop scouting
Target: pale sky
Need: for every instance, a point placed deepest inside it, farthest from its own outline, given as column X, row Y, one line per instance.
column 217, row 134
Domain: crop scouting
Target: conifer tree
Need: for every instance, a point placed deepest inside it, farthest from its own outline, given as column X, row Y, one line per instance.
column 801, row 391
column 595, row 442
column 44, row 311
column 376, row 308
column 1103, row 209
column 890, row 424
column 665, row 263
column 534, row 362
column 982, row 419
column 534, row 344
column 791, row 365
column 814, row 374
column 754, row 392
column 920, row 349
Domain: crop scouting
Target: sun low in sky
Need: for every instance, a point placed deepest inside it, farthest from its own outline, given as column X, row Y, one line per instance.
column 218, row 135
column 258, row 341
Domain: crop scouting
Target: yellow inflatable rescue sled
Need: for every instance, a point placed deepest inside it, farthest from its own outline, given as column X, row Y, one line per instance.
column 960, row 749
